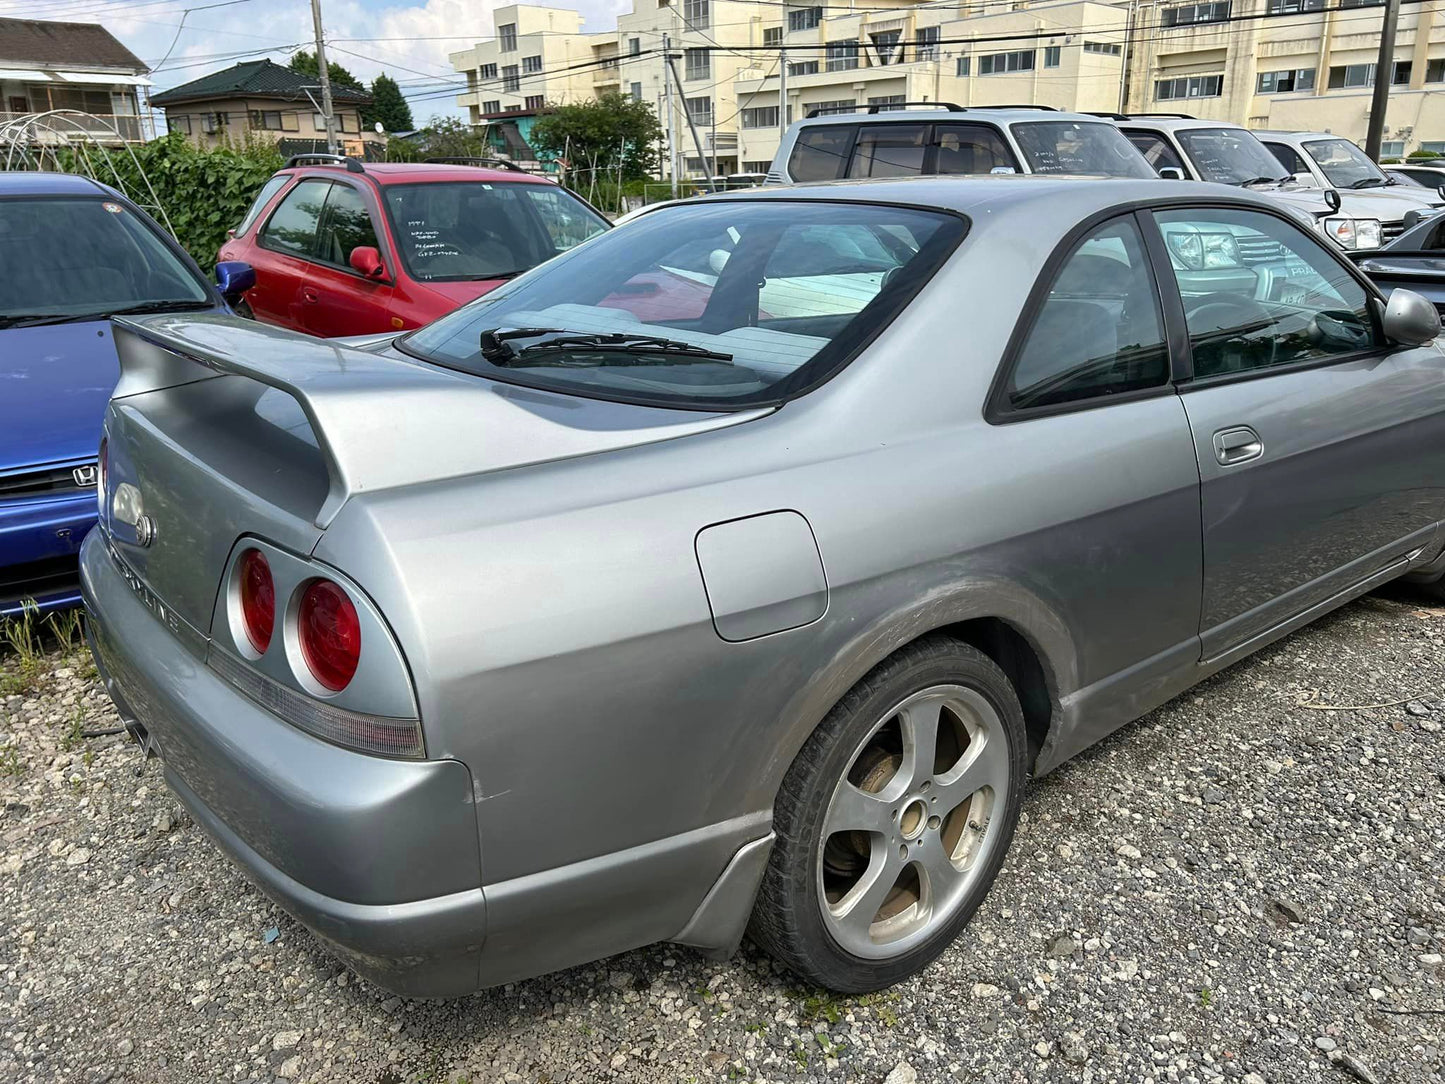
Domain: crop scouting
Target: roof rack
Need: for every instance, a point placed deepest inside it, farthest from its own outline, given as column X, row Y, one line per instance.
column 872, row 110
column 479, row 162
column 1169, row 116
column 351, row 164
column 1049, row 108
column 1105, row 114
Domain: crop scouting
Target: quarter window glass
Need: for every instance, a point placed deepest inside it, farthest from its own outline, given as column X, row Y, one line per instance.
column 347, row 226
column 890, row 150
column 1288, row 157
column 1156, row 151
column 1099, row 332
column 293, row 227
column 268, row 190
column 821, row 153
column 1258, row 293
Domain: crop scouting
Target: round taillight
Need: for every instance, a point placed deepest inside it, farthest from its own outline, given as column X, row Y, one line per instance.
column 330, row 634
column 258, row 600
column 101, row 462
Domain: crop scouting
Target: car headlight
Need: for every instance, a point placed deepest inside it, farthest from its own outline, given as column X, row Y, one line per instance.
column 1202, row 251
column 1354, row 233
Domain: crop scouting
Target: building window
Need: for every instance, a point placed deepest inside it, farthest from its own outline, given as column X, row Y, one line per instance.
column 1348, row 76
column 535, row 101
column 1052, row 55
column 634, row 46
column 512, row 109
column 697, row 64
column 699, row 110
column 1189, row 86
column 764, row 116
column 507, row 37
column 999, row 63
column 804, row 18
column 1107, row 48
column 1436, row 145
column 963, row 67
column 1285, row 81
column 347, row 122
column 1392, row 148
column 886, row 46
column 1400, row 73
column 1294, row 7
column 824, row 109
column 1216, row 11
column 1360, row 3
column 511, row 82
column 493, row 106
column 842, row 56
column 269, row 119
column 531, row 63
column 178, row 123
column 758, row 167
column 888, row 102
column 803, row 67
column 695, row 14
column 489, row 71
column 212, row 123
column 635, row 92
column 1435, row 71
column 772, row 35
column 925, row 43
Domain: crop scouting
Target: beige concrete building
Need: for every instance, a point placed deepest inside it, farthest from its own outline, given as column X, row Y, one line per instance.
column 1262, row 63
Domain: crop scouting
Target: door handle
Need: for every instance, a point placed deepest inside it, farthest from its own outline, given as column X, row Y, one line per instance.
column 1238, row 444
column 310, row 296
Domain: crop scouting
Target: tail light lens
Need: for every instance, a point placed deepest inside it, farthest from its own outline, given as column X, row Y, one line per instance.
column 102, row 463
column 258, row 600
column 329, row 633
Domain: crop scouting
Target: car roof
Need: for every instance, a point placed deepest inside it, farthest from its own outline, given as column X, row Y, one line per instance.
column 1174, row 124
column 1003, row 116
column 50, row 184
column 1295, row 137
column 384, row 173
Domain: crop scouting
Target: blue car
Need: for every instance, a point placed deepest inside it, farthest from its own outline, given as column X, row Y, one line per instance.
column 73, row 253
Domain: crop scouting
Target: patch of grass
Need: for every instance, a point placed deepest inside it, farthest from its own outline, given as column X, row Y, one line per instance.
column 1206, row 997
column 821, row 1005
column 10, row 760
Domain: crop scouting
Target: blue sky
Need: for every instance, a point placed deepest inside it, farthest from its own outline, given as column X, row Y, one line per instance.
column 408, row 41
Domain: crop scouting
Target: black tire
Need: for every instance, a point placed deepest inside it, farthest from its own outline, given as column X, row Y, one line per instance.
column 787, row 921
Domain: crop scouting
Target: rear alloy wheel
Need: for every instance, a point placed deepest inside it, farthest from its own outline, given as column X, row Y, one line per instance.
column 894, row 818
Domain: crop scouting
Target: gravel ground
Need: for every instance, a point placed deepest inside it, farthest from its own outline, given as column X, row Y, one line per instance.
column 1236, row 887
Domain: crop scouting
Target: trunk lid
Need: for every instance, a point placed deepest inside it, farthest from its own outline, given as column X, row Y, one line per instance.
column 226, row 427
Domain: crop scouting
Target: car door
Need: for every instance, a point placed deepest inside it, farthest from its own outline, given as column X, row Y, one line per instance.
column 1321, row 448
column 336, row 300
column 284, row 247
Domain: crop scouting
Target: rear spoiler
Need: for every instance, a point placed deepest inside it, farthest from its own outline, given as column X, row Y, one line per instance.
column 380, row 421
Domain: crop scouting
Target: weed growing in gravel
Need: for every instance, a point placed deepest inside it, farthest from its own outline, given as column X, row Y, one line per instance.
column 10, row 759
column 25, row 637
column 74, row 731
column 1206, row 997
column 821, row 1005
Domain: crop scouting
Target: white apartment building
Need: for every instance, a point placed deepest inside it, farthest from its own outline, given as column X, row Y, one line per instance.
column 1263, row 63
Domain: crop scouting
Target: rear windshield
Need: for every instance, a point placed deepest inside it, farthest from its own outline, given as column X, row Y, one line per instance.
column 86, row 257
column 713, row 305
column 454, row 231
column 1064, row 146
column 1229, row 155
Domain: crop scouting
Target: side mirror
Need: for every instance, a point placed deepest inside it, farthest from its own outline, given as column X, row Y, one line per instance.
column 366, row 262
column 1307, row 180
column 234, row 278
column 1409, row 319
column 1171, row 173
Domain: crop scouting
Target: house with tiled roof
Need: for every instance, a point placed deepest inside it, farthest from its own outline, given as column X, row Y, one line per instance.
column 77, row 67
column 260, row 99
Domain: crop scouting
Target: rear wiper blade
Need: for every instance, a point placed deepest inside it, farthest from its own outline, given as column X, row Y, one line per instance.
column 1263, row 180
column 657, row 349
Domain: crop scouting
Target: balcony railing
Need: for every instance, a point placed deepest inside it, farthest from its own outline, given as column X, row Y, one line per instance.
column 57, row 129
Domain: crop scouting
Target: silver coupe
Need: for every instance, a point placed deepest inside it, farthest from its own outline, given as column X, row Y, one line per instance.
column 736, row 570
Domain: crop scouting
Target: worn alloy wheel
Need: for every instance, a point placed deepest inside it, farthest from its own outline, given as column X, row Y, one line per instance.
column 894, row 818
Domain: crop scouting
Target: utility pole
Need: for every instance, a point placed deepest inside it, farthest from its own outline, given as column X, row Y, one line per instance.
column 327, row 113
column 691, row 125
column 667, row 92
column 1128, row 57
column 782, row 93
column 1384, row 75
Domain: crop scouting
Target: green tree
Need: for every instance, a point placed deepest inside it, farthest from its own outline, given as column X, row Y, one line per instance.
column 387, row 106
column 592, row 134
column 304, row 63
column 443, row 137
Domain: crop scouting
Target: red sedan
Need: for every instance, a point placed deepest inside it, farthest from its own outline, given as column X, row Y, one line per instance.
column 342, row 248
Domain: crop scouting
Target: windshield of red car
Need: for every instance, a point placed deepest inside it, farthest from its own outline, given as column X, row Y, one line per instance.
column 82, row 256
column 757, row 300
column 451, row 231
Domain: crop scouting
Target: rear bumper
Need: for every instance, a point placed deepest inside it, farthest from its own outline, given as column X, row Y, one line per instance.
column 378, row 858
column 39, row 540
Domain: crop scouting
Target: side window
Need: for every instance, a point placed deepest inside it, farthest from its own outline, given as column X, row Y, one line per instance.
column 970, row 148
column 568, row 222
column 1259, row 293
column 889, row 150
column 263, row 197
column 1288, row 157
column 1156, row 150
column 347, row 226
column 292, row 228
column 822, row 152
column 1099, row 332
